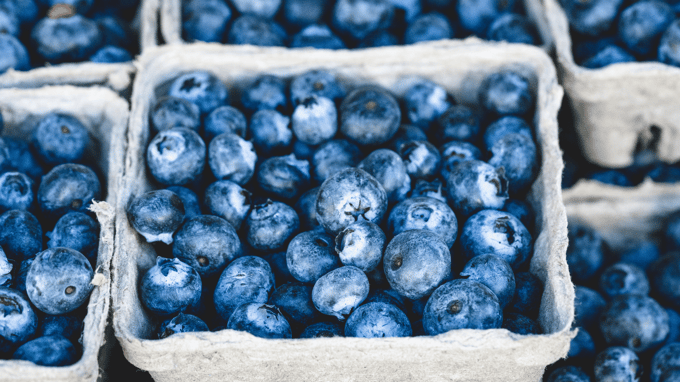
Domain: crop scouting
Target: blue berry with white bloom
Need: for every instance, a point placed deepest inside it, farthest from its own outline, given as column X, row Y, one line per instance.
column 248, row 279
column 457, row 123
column 358, row 18
column 333, row 157
column 361, row 244
column 369, row 116
column 201, row 88
column 260, row 320
column 424, row 213
column 378, row 320
column 192, row 207
column 172, row 112
column 284, row 177
column 390, row 170
column 16, row 192
column 18, row 322
column 517, row 155
column 254, row 30
column 637, row 322
column 506, row 93
column 319, row 83
column 224, row 119
column 76, row 231
column 495, row 273
column 315, row 120
column 617, row 363
column 340, row 291
column 318, row 37
column 270, row 226
column 421, row 158
column 20, row 235
column 271, row 133
column 429, row 27
column 475, row 185
column 323, row 330
column 425, row 101
column 176, row 156
column 513, row 28
column 59, row 139
column 156, row 215
column 205, row 20
column 48, row 351
column 232, row 158
column 229, row 201
column 170, row 287
column 311, row 255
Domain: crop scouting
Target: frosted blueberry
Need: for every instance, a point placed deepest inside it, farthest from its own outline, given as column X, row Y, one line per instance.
column 156, row 215
column 232, row 158
column 361, row 244
column 229, row 201
column 340, row 291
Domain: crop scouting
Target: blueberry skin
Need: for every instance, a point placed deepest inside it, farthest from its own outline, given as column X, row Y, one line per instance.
column 170, row 287
column 617, row 363
column 323, row 330
column 59, row 139
column 270, row 225
column 20, row 279
column 284, row 177
column 319, row 83
column 277, row 261
column 224, row 119
column 182, row 323
column 585, row 254
column 476, row 16
column 641, row 25
column 76, row 231
column 425, row 102
column 115, row 31
column 461, row 304
column 493, row 272
column 294, row 300
column 637, row 322
column 14, row 55
column 421, row 158
column 378, row 320
column 176, row 157
column 350, row 195
column 361, row 244
column 513, row 28
column 25, row 10
column 390, row 170
column 156, row 215
column 340, row 291
column 664, row 173
column 671, row 232
column 669, row 52
column 205, row 20
column 405, row 133
column 457, row 123
column 592, row 17
column 610, row 54
column 455, row 152
column 333, row 157
column 568, row 374
column 665, row 362
column 377, row 39
column 263, row 8
column 206, row 243
column 311, row 255
column 424, row 213
column 369, row 115
column 67, row 326
column 622, row 278
column 315, row 120
column 506, row 93
column 16, row 192
column 306, row 209
column 416, row 262
column 201, row 88
column 172, row 112
column 232, row 158
column 271, row 133
column 253, row 30
column 110, row 54
column 248, row 279
column 229, row 201
column 475, row 185
column 391, row 297
column 192, row 208
column 582, row 347
column 519, row 324
column 517, row 156
column 5, row 270
column 21, row 158
column 300, row 13
column 613, row 177
column 18, row 322
column 265, row 93
column 58, row 281
column 374, row 15
column 66, row 39
column 48, row 351
column 504, row 126
column 522, row 211
column 673, row 325
column 588, row 305
column 528, row 294
column 664, row 277
column 9, row 22
column 433, row 189
column 260, row 320
column 428, row 27
column 318, row 37
column 20, row 235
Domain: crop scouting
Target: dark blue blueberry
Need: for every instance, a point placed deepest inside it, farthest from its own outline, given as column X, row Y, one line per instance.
column 378, row 320
column 673, row 326
column 582, row 347
column 637, row 322
column 176, row 156
column 156, row 215
column 315, row 120
column 192, row 207
column 369, row 115
column 318, row 37
column 475, row 185
column 506, row 93
column 669, row 47
column 224, row 119
column 182, row 323
column 110, row 54
column 377, row 39
column 300, row 13
column 671, row 232
column 617, row 363
column 622, row 278
column 610, row 54
column 25, row 10
column 5, row 270
column 457, row 123
column 433, row 189
column 22, row 159
column 390, row 296
column 284, row 177
column 390, row 170
column 76, row 231
column 13, row 54
column 60, row 138
column 201, row 88
column 170, row 287
column 585, row 48
column 232, row 158
column 277, row 261
column 265, row 93
column 424, row 213
column 115, row 31
column 513, row 28
column 642, row 24
column 664, row 277
column 333, row 157
column 568, row 374
column 666, row 363
column 271, row 225
column 664, row 173
column 306, row 210
column 319, row 83
column 229, row 201
column 585, row 254
column 504, row 126
column 311, row 255
column 522, row 211
column 248, row 279
column 405, row 133
column 350, row 195
column 520, row 324
column 263, row 8
column 408, row 9
column 528, row 294
column 339, row 292
column 16, row 192
column 588, row 304
column 48, row 351
column 461, row 304
column 613, row 177
column 271, row 133
column 20, row 235
column 20, row 280
column 207, row 243
column 429, row 27
column 361, row 244
column 455, row 152
column 323, row 330
column 260, row 320
column 517, row 156
column 68, row 326
column 205, row 20
column 358, row 18
column 294, row 300
column 425, row 102
column 591, row 17
column 493, row 272
column 65, row 37
column 172, row 112
column 477, row 15
column 59, row 280
column 18, row 321
column 416, row 262
column 253, row 30
column 421, row 158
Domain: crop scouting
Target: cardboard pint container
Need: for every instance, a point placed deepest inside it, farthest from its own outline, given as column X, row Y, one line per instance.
column 617, row 106
column 105, row 115
column 460, row 355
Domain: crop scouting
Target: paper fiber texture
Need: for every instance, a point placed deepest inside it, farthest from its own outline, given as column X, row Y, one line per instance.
column 461, row 355
column 615, row 107
column 105, row 115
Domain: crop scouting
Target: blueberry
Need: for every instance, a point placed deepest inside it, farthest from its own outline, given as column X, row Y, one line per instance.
column 613, row 177
column 339, row 292
column 617, row 363
column 170, row 287
column 424, row 213
column 665, row 361
column 416, row 262
column 224, row 119
column 277, row 261
column 20, row 279
column 156, row 215
column 568, row 374
column 284, row 177
column 319, row 83
column 582, row 347
column 25, row 10
column 300, row 13
column 192, row 208
column 585, row 254
column 637, row 322
column 306, row 209
column 642, row 24
column 13, row 54
column 520, row 324
column 588, row 305
column 505, row 126
column 608, row 55
column 669, row 47
column 110, row 54
column 591, row 17
column 260, row 320
column 232, row 158
column 476, row 15
column 176, row 156
column 361, row 244
column 16, row 192
column 229, row 201
column 253, row 30
column 425, row 102
column 664, row 277
column 48, row 351
column 461, row 304
column 493, row 272
column 9, row 22
column 378, row 320
column 18, row 321
column 522, row 211
column 409, row 8
column 65, row 37
column 333, row 157
column 664, row 173
column 271, row 133
column 294, row 300
column 457, row 123
column 318, row 37
column 358, row 18
column 513, row 28
column 673, row 326
column 350, row 195
column 248, row 279
column 377, row 39
column 5, row 270
column 20, row 235
column 172, row 112
column 369, row 115
column 455, row 152
column 270, row 225
column 76, row 231
column 323, row 330
column 421, row 158
column 201, row 88
column 474, row 185
column 60, row 138
column 390, row 296
column 182, row 323
column 405, row 133
column 506, row 93
column 429, row 27
column 528, row 293
column 433, row 189
column 315, row 120
column 390, row 170
column 115, row 31
column 22, row 159
column 622, row 278
column 58, row 281
column 517, row 156
column 265, row 93
column 311, row 255
column 262, row 8
column 67, row 326
column 205, row 20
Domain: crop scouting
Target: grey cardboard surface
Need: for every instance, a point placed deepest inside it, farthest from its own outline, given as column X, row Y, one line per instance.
column 461, row 355
column 105, row 114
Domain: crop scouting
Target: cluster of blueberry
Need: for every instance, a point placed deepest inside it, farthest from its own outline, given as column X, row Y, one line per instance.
column 43, row 293
column 627, row 309
column 334, row 218
column 39, row 32
column 353, row 23
column 606, row 32
column 576, row 167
